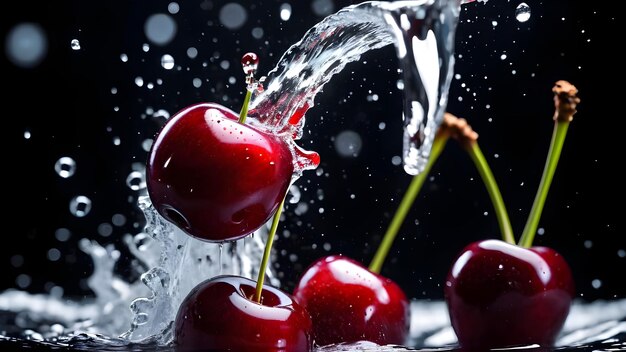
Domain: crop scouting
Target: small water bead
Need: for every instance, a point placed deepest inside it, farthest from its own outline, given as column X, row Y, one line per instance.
column 396, row 160
column 117, row 141
column 17, row 261
column 27, row 134
column 54, row 254
column 65, row 167
column 136, row 181
column 160, row 28
column 75, row 44
column 62, row 234
column 80, row 206
column 250, row 63
column 26, row 45
column 295, row 194
column 145, row 47
column 124, row 57
column 285, row 12
column 167, row 61
column 105, row 229
column 173, row 8
column 118, row 220
column 257, row 32
column 233, row 15
column 23, row 281
column 322, row 7
column 192, row 52
column 348, row 144
column 197, row 82
column 147, row 144
column 522, row 12
column 139, row 81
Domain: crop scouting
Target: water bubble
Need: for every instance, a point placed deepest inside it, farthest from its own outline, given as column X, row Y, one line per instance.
column 139, row 81
column 26, row 45
column 596, row 283
column 257, row 32
column 80, row 206
column 285, row 12
column 400, row 84
column 192, row 52
column 522, row 12
column 197, row 82
column 396, row 160
column 322, row 7
column 54, row 254
column 167, row 61
column 75, row 44
column 145, row 47
column 588, row 244
column 136, row 181
column 160, row 28
column 621, row 253
column 62, row 234
column 124, row 57
column 113, row 90
column 494, row 23
column 382, row 125
column 27, row 134
column 541, row 231
column 225, row 64
column 173, row 8
column 233, row 15
column 503, row 57
column 65, row 167
column 117, row 140
column 348, row 144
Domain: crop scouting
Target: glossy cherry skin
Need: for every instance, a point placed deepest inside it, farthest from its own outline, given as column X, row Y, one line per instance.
column 218, row 315
column 216, row 179
column 349, row 303
column 501, row 295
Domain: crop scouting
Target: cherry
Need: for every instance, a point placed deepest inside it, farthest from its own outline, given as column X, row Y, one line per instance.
column 502, row 295
column 348, row 303
column 219, row 315
column 215, row 178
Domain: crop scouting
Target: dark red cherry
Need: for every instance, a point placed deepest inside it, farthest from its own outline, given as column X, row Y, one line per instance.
column 349, row 303
column 217, row 179
column 501, row 295
column 219, row 315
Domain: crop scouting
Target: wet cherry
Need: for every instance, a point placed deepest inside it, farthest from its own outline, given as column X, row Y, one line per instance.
column 219, row 315
column 502, row 295
column 349, row 303
column 215, row 178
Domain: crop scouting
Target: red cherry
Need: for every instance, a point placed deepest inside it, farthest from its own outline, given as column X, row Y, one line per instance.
column 217, row 179
column 219, row 315
column 349, row 303
column 502, row 295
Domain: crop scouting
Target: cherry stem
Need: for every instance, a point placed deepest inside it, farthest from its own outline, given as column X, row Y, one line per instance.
column 556, row 146
column 244, row 109
column 489, row 180
column 409, row 197
column 267, row 251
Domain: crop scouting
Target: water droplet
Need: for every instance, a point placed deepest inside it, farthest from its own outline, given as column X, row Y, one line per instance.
column 75, row 44
column 295, row 194
column 192, row 52
column 147, row 144
column 160, row 28
column 250, row 63
column 322, row 7
column 348, row 144
column 136, row 181
column 596, row 283
column 522, row 12
column 173, row 8
column 588, row 244
column 124, row 57
column 26, row 45
column 167, row 61
column 396, row 160
column 257, row 32
column 62, row 234
column 105, row 229
column 503, row 57
column 541, row 231
column 285, row 12
column 233, row 15
column 197, row 82
column 54, row 254
column 118, row 219
column 27, row 135
column 139, row 81
column 621, row 253
column 80, row 206
column 65, row 167
column 145, row 47
column 23, row 281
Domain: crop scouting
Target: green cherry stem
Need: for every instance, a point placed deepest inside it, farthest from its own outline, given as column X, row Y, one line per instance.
column 244, row 109
column 266, row 252
column 565, row 101
column 409, row 197
column 484, row 170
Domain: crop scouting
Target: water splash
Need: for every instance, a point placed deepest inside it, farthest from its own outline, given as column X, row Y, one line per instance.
column 423, row 33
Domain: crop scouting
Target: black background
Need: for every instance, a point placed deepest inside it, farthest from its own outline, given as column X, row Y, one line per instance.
column 67, row 105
